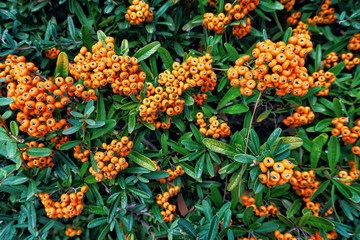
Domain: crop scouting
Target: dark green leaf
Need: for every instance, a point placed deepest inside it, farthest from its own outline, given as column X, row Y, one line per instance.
column 146, row 51
column 187, row 227
column 165, row 57
column 38, row 152
column 219, row 147
column 142, row 160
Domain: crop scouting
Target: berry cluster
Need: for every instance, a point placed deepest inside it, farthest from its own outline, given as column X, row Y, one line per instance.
column 195, row 72
column 70, row 205
column 288, row 236
column 347, row 177
column 281, row 236
column 302, row 115
column 237, row 12
column 40, row 162
column 354, row 43
column 59, row 140
column 324, row 16
column 112, row 160
column 215, row 22
column 293, row 18
column 240, row 31
column 214, row 128
column 301, row 28
column 323, row 79
column 269, row 210
column 179, row 171
column 52, row 53
column 315, row 208
column 304, row 183
column 72, row 232
column 332, row 59
column 330, row 235
column 103, row 66
column 350, row 60
column 288, row 4
column 163, row 201
column 248, row 238
column 139, row 12
column 161, row 100
column 277, row 65
column 275, row 173
column 199, row 98
column 81, row 154
column 34, row 96
column 348, row 136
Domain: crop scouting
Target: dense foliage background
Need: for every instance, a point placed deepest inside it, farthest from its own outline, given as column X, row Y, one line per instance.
column 239, row 155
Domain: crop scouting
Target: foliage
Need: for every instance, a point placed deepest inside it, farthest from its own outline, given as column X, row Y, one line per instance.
column 227, row 184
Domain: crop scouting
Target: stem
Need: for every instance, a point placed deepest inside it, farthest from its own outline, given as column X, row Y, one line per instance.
column 251, row 121
column 247, row 142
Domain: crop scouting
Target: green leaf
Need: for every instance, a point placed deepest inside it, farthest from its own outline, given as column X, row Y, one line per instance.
column 262, row 116
column 213, row 228
column 215, row 195
column 337, row 108
column 270, row 6
column 62, row 65
column 4, row 101
column 71, row 27
column 285, row 220
column 320, row 223
column 333, row 152
column 295, row 142
column 233, row 53
column 230, row 95
column 31, row 189
column 109, row 125
column 86, row 38
column 69, row 145
column 131, row 122
column 101, row 36
column 38, row 152
column 305, row 218
column 14, row 180
column 146, row 51
column 244, row 158
column 318, row 57
column 294, row 208
column 219, row 147
column 248, row 215
column 323, row 124
column 113, row 209
column 287, row 34
column 316, row 149
column 165, row 57
column 323, row 186
column 72, row 129
column 89, row 108
column 14, row 128
column 187, row 227
column 337, row 68
column 267, row 227
column 235, row 109
column 139, row 192
column 98, row 210
column 142, row 160
column 234, row 180
column 199, row 166
column 273, row 137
